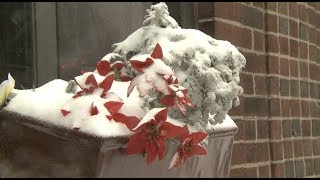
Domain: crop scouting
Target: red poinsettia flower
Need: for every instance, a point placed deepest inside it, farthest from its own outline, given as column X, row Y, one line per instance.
column 189, row 147
column 130, row 121
column 139, row 65
column 91, row 84
column 177, row 98
column 151, row 136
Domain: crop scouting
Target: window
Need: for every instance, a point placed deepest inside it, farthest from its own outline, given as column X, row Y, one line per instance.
column 42, row 41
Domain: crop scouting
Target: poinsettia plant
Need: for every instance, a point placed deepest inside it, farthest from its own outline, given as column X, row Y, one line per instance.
column 151, row 132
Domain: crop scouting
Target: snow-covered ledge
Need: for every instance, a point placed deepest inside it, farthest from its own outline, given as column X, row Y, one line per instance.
column 163, row 92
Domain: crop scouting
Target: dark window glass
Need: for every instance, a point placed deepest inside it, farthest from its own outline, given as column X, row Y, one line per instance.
column 16, row 43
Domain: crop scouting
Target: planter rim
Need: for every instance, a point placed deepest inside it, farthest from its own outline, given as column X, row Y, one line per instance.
column 226, row 128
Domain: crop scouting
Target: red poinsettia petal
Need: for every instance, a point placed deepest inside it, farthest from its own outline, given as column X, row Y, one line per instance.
column 118, row 64
column 64, row 112
column 130, row 121
column 161, row 115
column 91, row 80
column 197, row 150
column 107, row 82
column 151, row 150
column 157, row 52
column 93, row 110
column 78, row 94
column 176, row 161
column 149, row 61
column 167, row 100
column 171, row 130
column 137, row 65
column 162, row 147
column 113, row 106
column 103, row 67
column 125, row 78
column 136, row 143
column 197, row 137
column 184, row 134
column 184, row 91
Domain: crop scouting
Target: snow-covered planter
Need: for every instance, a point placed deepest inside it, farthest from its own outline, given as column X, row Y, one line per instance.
column 164, row 89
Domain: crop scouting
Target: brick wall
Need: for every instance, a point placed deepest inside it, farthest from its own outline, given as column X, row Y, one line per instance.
column 279, row 115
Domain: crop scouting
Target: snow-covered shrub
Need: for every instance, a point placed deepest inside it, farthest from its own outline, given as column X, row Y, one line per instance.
column 207, row 67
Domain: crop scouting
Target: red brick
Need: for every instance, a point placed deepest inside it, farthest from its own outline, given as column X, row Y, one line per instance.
column 205, row 9
column 244, row 172
column 238, row 36
column 246, row 82
column 312, row 20
column 306, row 127
column 294, row 68
column 285, row 107
column 314, row 72
column 298, row 148
column 271, row 23
column 272, row 43
column 286, row 128
column 312, row 35
column 275, row 129
column 264, row 171
column 284, row 66
column 273, row 65
column 293, row 9
column 255, row 63
column 276, row 149
column 316, row 147
column 274, row 107
column 260, row 85
column 312, row 53
column 255, row 106
column 273, row 85
column 293, row 28
column 288, row 147
column 257, row 152
column 249, row 16
column 307, row 147
column 241, row 129
column 277, row 170
column 304, row 71
column 250, row 130
column 259, row 4
column 283, row 8
column 284, row 45
column 238, row 154
column 318, row 38
column 262, row 129
column 303, row 50
column 305, row 108
column 302, row 13
column 294, row 48
column 295, row 108
column 258, row 41
column 272, row 6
